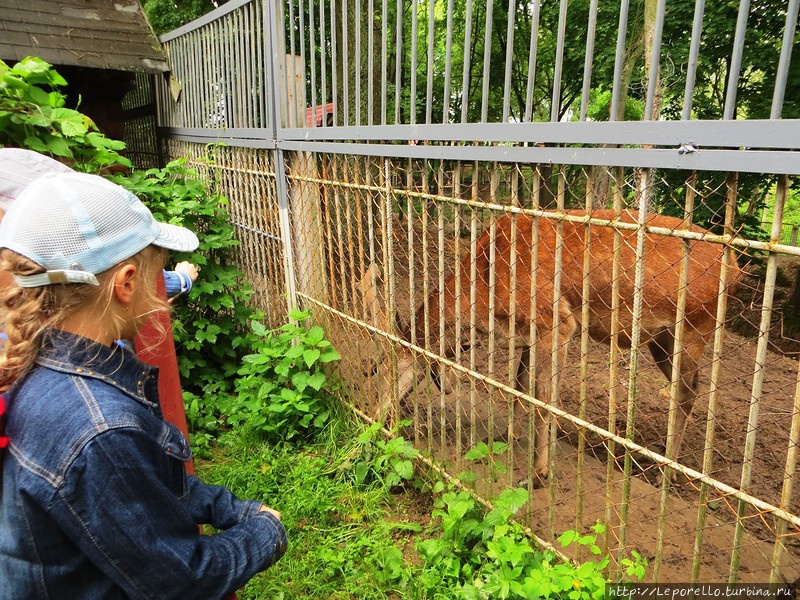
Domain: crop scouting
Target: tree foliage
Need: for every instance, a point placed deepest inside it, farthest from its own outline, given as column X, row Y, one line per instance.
column 166, row 15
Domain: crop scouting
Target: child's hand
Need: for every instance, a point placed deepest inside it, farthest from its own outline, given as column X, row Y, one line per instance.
column 273, row 512
column 186, row 267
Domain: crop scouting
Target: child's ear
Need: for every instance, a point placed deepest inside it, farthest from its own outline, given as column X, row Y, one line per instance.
column 125, row 284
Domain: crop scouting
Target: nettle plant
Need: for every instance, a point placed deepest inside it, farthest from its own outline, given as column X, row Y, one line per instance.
column 212, row 325
column 486, row 555
column 34, row 114
column 283, row 391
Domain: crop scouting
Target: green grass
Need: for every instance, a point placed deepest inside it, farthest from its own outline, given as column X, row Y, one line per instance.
column 359, row 528
column 347, row 540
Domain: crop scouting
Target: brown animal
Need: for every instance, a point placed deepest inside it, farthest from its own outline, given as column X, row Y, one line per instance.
column 659, row 301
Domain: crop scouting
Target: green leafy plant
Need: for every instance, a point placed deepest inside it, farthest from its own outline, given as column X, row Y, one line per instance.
column 212, row 325
column 34, row 115
column 485, row 454
column 486, row 555
column 283, row 390
column 389, row 462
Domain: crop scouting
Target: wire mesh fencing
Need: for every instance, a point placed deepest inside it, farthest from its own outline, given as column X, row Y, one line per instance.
column 541, row 279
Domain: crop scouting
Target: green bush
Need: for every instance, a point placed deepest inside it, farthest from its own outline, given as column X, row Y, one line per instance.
column 34, row 115
column 282, row 389
column 212, row 324
column 485, row 555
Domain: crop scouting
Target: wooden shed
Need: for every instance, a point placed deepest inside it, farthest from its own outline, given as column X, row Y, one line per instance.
column 97, row 45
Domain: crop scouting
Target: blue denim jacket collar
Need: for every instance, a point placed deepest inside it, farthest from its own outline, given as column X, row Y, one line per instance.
column 70, row 353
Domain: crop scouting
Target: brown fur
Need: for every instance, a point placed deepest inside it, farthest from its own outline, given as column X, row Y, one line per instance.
column 659, row 303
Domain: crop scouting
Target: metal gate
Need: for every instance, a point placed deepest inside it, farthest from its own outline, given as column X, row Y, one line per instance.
column 464, row 194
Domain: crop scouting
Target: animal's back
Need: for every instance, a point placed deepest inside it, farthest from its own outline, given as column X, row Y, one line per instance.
column 662, row 263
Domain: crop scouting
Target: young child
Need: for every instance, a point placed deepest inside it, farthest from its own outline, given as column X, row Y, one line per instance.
column 94, row 499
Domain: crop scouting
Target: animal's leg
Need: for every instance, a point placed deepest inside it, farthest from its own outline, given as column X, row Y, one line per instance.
column 523, row 412
column 662, row 349
column 546, row 385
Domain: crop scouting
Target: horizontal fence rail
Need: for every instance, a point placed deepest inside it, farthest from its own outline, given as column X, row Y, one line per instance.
column 542, row 233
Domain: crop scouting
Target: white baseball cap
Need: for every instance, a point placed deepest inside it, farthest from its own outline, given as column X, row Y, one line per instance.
column 77, row 225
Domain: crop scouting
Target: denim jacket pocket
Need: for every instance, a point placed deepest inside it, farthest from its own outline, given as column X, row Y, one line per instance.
column 178, row 454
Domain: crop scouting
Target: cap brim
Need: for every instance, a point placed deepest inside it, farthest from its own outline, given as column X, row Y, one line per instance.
column 177, row 238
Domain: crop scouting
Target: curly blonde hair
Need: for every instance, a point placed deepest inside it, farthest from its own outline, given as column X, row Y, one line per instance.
column 27, row 313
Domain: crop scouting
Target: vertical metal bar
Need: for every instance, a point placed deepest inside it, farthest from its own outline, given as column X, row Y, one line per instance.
column 512, row 335
column 555, row 349
column 429, row 75
column 291, row 77
column 412, row 289
column 655, row 60
column 398, row 61
column 323, row 69
column 465, row 76
column 534, row 45
column 786, row 57
column 426, row 290
column 357, row 70
column 491, row 326
column 728, row 260
column 588, row 60
column 370, row 62
column 280, row 181
column 190, row 82
column 729, row 112
column 584, row 361
column 271, row 63
column 351, row 244
column 534, row 410
column 487, row 60
column 457, row 224
column 677, row 361
column 259, row 36
column 635, row 337
column 238, row 51
column 412, row 118
column 619, row 60
column 384, row 58
column 312, row 44
column 252, row 68
column 758, row 374
column 512, row 6
column 334, row 65
column 694, row 53
column 448, row 65
column 614, row 354
column 555, row 106
column 345, row 67
column 341, row 223
column 303, row 96
column 788, row 483
column 387, row 219
column 473, row 298
column 442, row 323
column 212, row 54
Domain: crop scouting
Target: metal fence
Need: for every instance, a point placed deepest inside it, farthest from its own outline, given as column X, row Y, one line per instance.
column 426, row 179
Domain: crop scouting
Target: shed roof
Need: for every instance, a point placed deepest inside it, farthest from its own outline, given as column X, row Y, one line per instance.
column 102, row 34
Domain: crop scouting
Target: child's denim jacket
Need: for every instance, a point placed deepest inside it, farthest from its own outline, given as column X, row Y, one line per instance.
column 95, row 501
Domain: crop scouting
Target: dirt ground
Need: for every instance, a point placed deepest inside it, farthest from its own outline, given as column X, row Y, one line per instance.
column 484, row 416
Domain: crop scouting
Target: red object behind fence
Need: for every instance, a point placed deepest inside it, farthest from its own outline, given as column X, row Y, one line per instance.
column 162, row 355
column 158, row 350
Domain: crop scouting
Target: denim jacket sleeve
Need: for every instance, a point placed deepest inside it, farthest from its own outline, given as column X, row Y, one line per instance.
column 126, row 502
column 217, row 505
